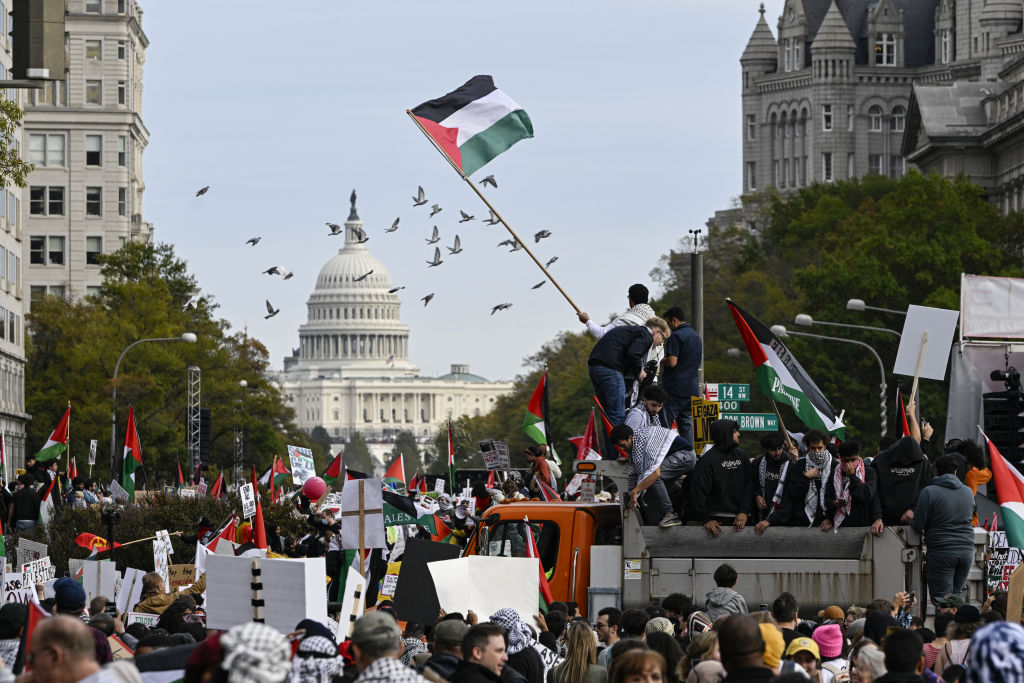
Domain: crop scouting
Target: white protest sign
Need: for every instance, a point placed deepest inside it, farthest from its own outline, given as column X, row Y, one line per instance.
column 353, row 603
column 117, row 492
column 467, row 583
column 161, row 557
column 99, row 578
column 187, row 492
column 362, row 515
column 30, row 551
column 16, row 590
column 940, row 324
column 245, row 493
column 38, row 571
column 129, row 593
column 439, row 485
column 92, row 451
column 497, row 458
column 302, row 464
column 388, row 585
column 143, row 618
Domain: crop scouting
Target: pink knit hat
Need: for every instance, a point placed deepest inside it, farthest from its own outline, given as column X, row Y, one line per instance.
column 829, row 639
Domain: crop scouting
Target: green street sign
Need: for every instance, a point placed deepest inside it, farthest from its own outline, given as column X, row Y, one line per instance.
column 754, row 422
column 733, row 392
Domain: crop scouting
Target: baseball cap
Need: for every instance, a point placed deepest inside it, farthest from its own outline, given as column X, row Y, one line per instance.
column 803, row 645
column 450, row 632
column 375, row 627
column 833, row 612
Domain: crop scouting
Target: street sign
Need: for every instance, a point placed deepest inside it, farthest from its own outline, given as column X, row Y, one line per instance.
column 728, row 392
column 731, row 406
column 755, row 422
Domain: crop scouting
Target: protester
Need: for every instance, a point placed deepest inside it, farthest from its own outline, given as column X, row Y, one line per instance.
column 721, row 492
column 932, row 649
column 539, row 467
column 447, row 635
column 24, row 508
column 868, row 665
column 70, row 597
column 804, row 653
column 701, row 661
column 774, row 645
column 966, row 622
column 996, row 653
column 801, row 501
column 376, row 645
column 13, row 617
column 155, row 600
column 668, row 647
column 580, row 665
column 63, row 650
column 684, row 352
column 723, row 599
column 903, row 472
column 786, row 610
column 412, row 642
column 659, row 625
column 742, row 649
column 904, row 659
column 829, row 638
column 316, row 658
column 657, row 457
column 978, row 472
column 607, row 629
column 647, row 413
column 246, row 652
column 522, row 657
column 633, row 624
column 638, row 666
column 943, row 515
column 769, row 469
column 851, row 495
column 638, row 314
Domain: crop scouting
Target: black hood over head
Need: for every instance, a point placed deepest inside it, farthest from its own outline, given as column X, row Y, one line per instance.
column 721, row 434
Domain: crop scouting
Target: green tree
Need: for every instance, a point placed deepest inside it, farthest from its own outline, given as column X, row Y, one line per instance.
column 73, row 348
column 406, row 446
column 356, row 455
column 321, row 441
column 13, row 170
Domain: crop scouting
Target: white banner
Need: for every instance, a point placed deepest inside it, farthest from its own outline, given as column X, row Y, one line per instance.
column 991, row 307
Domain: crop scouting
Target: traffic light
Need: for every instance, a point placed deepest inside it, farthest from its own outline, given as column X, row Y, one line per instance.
column 204, row 437
column 37, row 40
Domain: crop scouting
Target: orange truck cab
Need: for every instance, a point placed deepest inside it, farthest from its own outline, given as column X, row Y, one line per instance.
column 565, row 533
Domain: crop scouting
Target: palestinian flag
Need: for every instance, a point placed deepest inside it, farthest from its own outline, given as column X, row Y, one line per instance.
column 395, row 473
column 544, row 597
column 901, row 413
column 547, row 493
column 1010, row 490
column 332, row 475
column 58, row 441
column 72, row 470
column 197, row 476
column 217, row 490
column 451, row 458
column 352, row 475
column 608, row 426
column 226, row 533
column 414, row 483
column 36, row 615
column 281, row 473
column 535, row 421
column 259, row 530
column 781, row 377
column 403, row 510
column 132, row 456
column 474, row 123
column 181, row 477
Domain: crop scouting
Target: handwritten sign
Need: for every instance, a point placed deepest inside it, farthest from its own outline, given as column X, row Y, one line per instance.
column 16, row 590
column 38, row 571
column 30, row 551
column 162, row 551
column 181, row 575
column 704, row 414
column 187, row 492
column 92, row 451
column 248, row 497
column 117, row 492
column 439, row 485
column 497, row 456
column 388, row 585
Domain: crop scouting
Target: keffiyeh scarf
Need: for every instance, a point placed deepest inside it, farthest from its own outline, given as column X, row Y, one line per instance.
column 650, row 445
column 413, row 647
column 996, row 654
column 255, row 653
column 519, row 635
column 316, row 660
column 821, row 461
column 841, row 485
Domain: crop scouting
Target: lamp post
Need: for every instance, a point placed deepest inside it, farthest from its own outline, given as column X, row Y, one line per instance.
column 782, row 332
column 859, row 305
column 697, row 296
column 807, row 321
column 186, row 337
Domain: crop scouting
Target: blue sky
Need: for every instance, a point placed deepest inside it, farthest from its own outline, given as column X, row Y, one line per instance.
column 284, row 108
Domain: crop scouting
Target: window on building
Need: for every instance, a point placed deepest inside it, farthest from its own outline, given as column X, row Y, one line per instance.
column 13, row 268
column 93, row 250
column 94, row 92
column 55, row 250
column 121, row 6
column 94, row 49
column 885, row 49
column 849, row 165
column 122, row 92
column 797, row 56
column 37, row 200
column 775, row 173
column 36, row 293
column 94, row 201
column 751, row 175
column 92, row 6
column 875, row 119
column 121, row 241
column 56, row 290
column 122, row 150
column 3, row 324
column 751, row 127
column 787, row 45
column 945, row 46
column 899, row 119
column 875, row 163
column 54, row 93
column 13, row 325
column 849, row 117
column 93, row 150
column 826, row 167
column 3, row 263
column 897, row 166
column 122, row 49
column 46, row 150
column 55, row 201
column 826, row 117
column 122, row 201
column 12, row 208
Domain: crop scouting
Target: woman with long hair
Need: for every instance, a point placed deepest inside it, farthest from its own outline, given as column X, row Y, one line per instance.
column 639, row 666
column 580, row 665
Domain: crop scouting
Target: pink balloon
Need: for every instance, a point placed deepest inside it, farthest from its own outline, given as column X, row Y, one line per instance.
column 313, row 488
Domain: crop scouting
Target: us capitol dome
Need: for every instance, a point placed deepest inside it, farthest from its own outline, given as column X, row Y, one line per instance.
column 351, row 371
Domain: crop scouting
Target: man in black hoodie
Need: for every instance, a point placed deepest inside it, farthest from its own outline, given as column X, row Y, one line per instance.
column 902, row 472
column 768, row 471
column 722, row 488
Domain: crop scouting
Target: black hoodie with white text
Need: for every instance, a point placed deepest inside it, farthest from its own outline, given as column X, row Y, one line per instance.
column 903, row 472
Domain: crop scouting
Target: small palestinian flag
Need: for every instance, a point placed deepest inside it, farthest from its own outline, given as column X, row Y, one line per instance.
column 1010, row 491
column 132, row 456
column 547, row 493
column 474, row 123
column 58, row 441
column 545, row 598
column 781, row 377
column 535, row 419
column 333, row 473
column 395, row 473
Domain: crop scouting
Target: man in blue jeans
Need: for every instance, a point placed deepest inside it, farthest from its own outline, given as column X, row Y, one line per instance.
column 943, row 515
column 619, row 353
column 657, row 457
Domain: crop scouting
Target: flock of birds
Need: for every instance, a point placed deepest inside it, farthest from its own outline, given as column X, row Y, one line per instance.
column 420, row 199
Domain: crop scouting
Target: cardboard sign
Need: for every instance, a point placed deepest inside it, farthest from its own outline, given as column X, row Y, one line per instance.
column 704, row 414
column 940, row 324
column 302, row 464
column 118, row 649
column 248, row 498
column 415, row 598
column 30, row 551
column 498, row 457
column 92, row 451
column 362, row 505
column 38, row 571
column 388, row 585
column 16, row 590
column 353, row 603
column 467, row 583
column 142, row 618
column 129, row 593
column 162, row 551
column 181, row 575
column 99, row 578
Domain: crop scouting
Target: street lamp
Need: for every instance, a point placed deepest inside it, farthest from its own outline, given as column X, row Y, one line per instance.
column 859, row 305
column 782, row 332
column 807, row 321
column 186, row 337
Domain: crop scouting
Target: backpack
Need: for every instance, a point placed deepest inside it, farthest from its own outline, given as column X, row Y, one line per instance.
column 838, row 675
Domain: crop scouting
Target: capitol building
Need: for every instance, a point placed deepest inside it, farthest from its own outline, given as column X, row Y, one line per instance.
column 351, row 372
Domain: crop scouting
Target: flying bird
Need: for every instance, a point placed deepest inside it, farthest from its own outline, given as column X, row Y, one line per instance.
column 500, row 307
column 395, row 289
column 489, row 180
column 516, row 246
column 434, row 237
column 456, row 248
column 538, row 236
column 507, row 243
column 434, row 210
column 203, row 190
column 253, row 241
column 394, row 226
column 426, row 299
column 279, row 270
column 437, row 258
column 335, row 229
column 466, row 217
column 539, row 284
column 550, row 261
column 362, row 277
column 271, row 311
column 493, row 220
column 420, row 199
column 361, row 236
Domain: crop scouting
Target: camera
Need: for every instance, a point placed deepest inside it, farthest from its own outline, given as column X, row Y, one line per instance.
column 1010, row 377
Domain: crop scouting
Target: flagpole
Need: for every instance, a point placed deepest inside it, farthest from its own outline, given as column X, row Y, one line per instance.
column 494, row 211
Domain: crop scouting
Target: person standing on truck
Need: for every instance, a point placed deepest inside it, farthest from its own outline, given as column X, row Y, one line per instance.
column 684, row 351
column 769, row 469
column 722, row 488
column 647, row 413
column 903, row 472
column 802, row 500
column 723, row 600
column 620, row 354
column 539, row 467
column 657, row 456
column 943, row 515
column 851, row 493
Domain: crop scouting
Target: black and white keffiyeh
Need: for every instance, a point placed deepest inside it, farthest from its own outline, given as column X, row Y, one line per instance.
column 821, row 461
column 316, row 660
column 996, row 654
column 518, row 634
column 650, row 444
column 637, row 418
column 255, row 653
column 388, row 670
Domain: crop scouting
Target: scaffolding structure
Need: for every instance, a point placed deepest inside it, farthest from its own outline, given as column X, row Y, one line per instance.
column 192, row 428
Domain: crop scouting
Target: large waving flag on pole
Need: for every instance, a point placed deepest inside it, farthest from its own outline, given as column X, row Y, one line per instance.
column 535, row 420
column 1010, row 491
column 58, row 441
column 451, row 458
column 395, row 474
column 334, row 472
column 781, row 377
column 132, row 456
